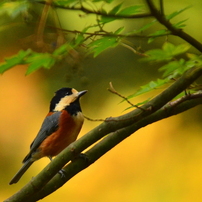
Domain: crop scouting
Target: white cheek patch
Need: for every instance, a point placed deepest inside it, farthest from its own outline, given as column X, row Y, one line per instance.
column 65, row 101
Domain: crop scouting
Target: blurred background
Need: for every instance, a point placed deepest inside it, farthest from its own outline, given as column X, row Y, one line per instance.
column 161, row 162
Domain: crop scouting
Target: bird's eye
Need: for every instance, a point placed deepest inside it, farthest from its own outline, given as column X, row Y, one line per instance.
column 67, row 93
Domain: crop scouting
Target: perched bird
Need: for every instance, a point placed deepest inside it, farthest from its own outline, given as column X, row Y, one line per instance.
column 59, row 129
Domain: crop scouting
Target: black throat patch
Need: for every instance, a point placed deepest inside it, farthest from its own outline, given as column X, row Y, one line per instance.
column 73, row 108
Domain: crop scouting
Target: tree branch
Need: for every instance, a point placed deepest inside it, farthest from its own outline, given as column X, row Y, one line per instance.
column 112, row 140
column 105, row 33
column 178, row 32
column 88, row 11
column 118, row 129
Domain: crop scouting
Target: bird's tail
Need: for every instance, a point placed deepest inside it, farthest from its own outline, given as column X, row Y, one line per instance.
column 22, row 170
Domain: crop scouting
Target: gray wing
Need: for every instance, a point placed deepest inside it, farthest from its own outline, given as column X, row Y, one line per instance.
column 49, row 125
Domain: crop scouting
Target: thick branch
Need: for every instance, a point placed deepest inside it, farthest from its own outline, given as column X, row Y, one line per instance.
column 175, row 31
column 112, row 140
column 125, row 124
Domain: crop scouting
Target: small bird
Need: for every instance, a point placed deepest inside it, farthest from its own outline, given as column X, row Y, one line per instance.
column 59, row 129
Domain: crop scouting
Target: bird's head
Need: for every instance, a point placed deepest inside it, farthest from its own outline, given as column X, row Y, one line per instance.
column 65, row 97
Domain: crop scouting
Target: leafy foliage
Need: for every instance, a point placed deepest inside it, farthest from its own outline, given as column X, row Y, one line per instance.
column 99, row 40
column 175, row 13
column 174, row 67
column 102, row 44
column 15, row 60
column 34, row 60
column 167, row 52
column 149, row 87
column 38, row 60
column 119, row 12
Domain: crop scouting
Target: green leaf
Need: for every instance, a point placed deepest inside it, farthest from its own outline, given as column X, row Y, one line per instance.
column 39, row 60
column 128, row 11
column 106, row 19
column 119, row 30
column 172, row 15
column 61, row 50
column 138, row 104
column 168, row 52
column 168, row 47
column 131, row 10
column 145, row 27
column 156, row 55
column 116, row 9
column 151, row 39
column 149, row 87
column 103, row 11
column 15, row 60
column 172, row 69
column 173, row 50
column 176, row 68
column 160, row 32
column 79, row 39
column 182, row 48
column 180, row 25
column 195, row 60
column 102, row 44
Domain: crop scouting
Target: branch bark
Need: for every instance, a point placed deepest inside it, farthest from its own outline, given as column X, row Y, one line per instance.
column 177, row 32
column 114, row 130
column 111, row 141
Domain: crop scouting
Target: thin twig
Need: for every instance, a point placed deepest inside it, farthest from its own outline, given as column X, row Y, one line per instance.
column 90, row 119
column 132, row 49
column 112, row 90
column 98, row 33
column 184, row 98
column 88, row 11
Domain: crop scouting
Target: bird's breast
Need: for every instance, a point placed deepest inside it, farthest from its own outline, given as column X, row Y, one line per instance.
column 67, row 132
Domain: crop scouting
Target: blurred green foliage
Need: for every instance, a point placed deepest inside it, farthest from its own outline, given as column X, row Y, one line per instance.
column 68, row 53
column 96, row 38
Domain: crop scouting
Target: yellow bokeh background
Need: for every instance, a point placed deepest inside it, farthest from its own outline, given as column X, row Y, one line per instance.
column 160, row 162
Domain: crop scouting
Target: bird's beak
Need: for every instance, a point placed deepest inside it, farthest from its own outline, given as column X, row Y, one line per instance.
column 81, row 93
